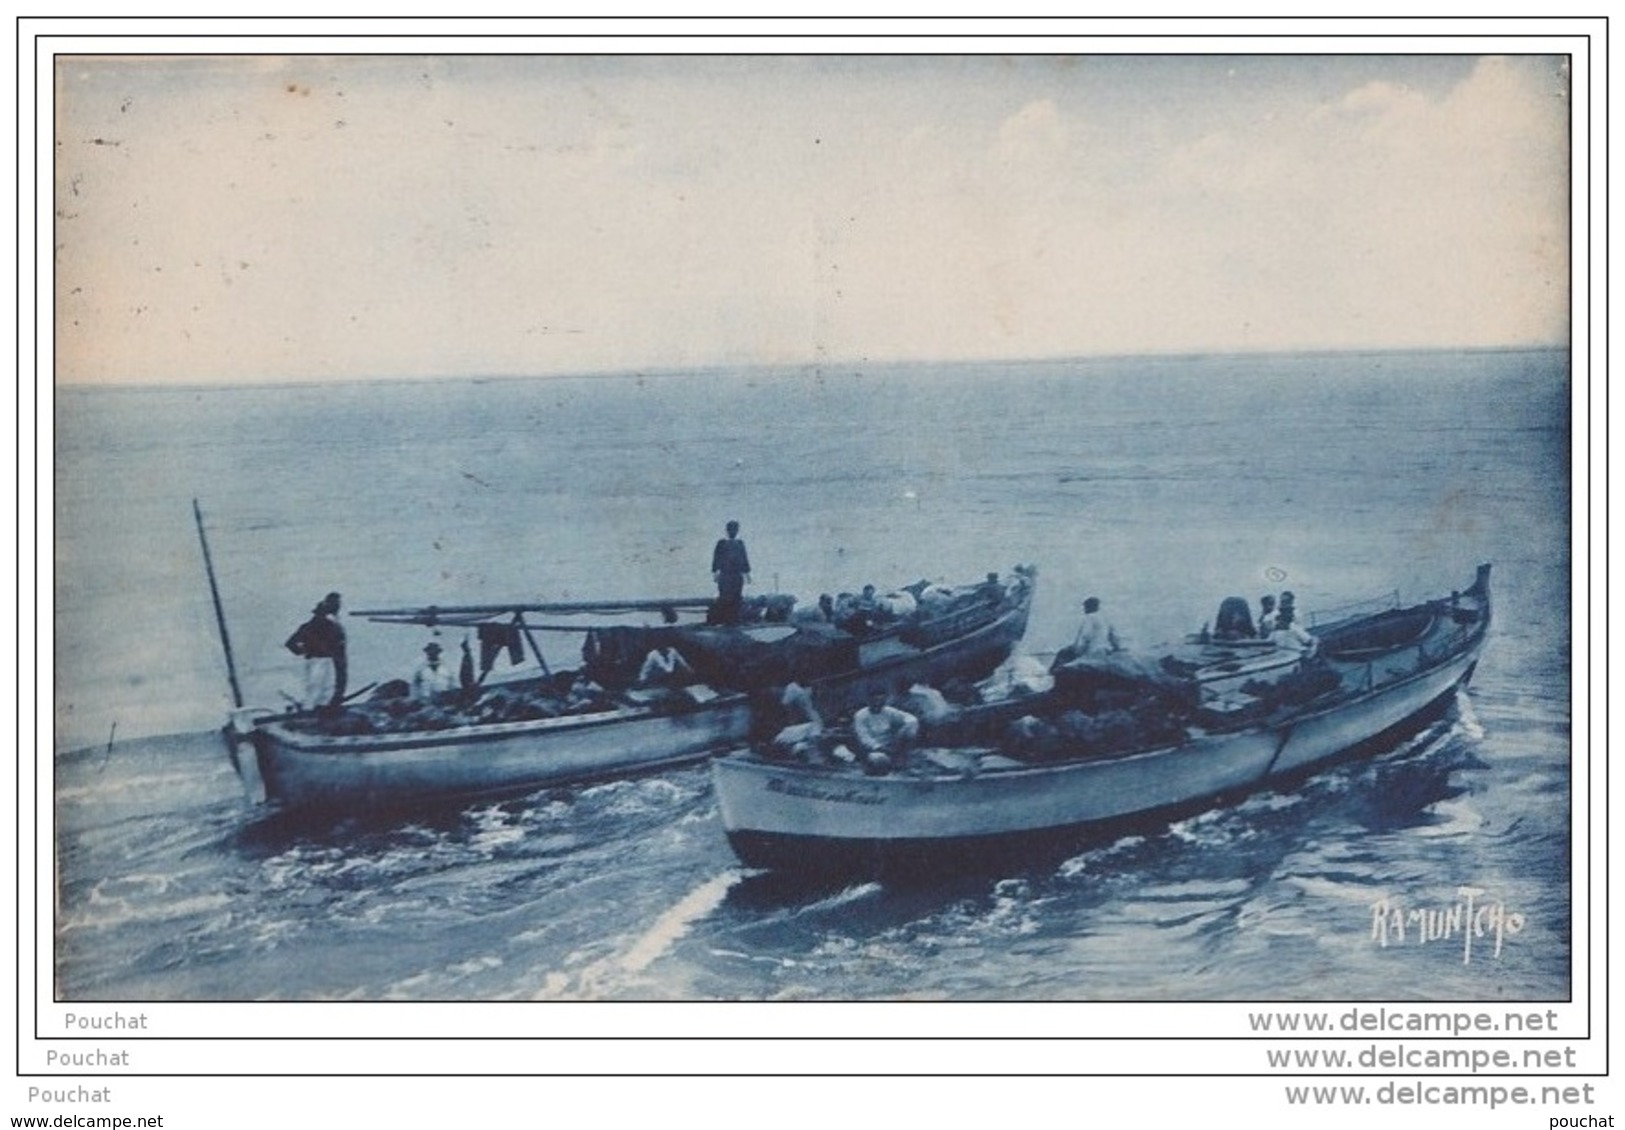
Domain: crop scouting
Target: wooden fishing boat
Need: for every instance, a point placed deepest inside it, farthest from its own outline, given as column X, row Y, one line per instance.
column 1110, row 746
column 540, row 728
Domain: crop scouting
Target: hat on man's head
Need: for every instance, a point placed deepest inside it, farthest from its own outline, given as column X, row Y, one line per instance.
column 431, row 649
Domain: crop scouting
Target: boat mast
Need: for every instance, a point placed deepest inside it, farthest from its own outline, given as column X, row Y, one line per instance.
column 219, row 613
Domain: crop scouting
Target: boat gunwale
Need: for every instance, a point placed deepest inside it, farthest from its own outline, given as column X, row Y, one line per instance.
column 1362, row 654
column 460, row 735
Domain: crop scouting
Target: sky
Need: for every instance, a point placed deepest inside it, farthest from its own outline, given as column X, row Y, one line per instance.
column 257, row 218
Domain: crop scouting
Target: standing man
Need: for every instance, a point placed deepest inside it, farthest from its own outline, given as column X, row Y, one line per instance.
column 730, row 568
column 321, row 641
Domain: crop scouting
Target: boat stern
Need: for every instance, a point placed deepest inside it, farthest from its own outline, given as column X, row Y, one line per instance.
column 241, row 734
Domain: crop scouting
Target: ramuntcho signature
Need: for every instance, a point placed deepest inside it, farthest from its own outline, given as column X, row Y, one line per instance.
column 1470, row 918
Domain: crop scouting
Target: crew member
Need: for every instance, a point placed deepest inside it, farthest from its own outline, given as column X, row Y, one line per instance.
column 1096, row 635
column 730, row 568
column 1266, row 616
column 1288, row 635
column 320, row 640
column 884, row 733
column 433, row 679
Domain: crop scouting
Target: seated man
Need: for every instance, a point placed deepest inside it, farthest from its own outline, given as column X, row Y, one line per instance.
column 867, row 612
column 884, row 734
column 991, row 590
column 432, row 679
column 1266, row 616
column 1096, row 635
column 1291, row 637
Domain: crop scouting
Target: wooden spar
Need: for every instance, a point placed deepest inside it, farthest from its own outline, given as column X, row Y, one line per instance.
column 219, row 612
column 519, row 622
column 471, row 613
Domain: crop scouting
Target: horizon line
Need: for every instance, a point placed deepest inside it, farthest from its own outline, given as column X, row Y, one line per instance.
column 644, row 372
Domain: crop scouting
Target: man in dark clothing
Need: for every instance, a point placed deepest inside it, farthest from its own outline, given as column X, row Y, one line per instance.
column 730, row 567
column 321, row 641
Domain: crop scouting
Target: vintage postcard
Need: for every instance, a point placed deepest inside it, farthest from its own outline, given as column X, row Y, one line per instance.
column 780, row 526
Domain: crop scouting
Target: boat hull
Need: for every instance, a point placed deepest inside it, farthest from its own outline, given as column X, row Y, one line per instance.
column 363, row 774
column 303, row 769
column 831, row 819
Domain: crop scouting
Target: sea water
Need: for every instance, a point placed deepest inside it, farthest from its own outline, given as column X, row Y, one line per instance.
column 1161, row 485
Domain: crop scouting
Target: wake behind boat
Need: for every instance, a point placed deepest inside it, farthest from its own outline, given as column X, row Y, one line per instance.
column 1112, row 743
column 610, row 716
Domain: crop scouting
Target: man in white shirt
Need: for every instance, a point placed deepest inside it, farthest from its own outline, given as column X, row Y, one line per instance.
column 1288, row 635
column 884, row 733
column 1266, row 616
column 1096, row 634
column 432, row 679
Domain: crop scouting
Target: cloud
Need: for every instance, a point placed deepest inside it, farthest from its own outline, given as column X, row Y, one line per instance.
column 1035, row 132
column 1386, row 212
column 1381, row 97
column 329, row 218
